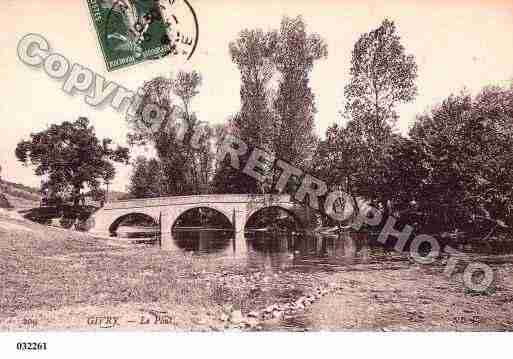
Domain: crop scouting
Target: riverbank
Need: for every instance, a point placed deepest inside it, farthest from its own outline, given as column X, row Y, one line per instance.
column 55, row 279
column 413, row 298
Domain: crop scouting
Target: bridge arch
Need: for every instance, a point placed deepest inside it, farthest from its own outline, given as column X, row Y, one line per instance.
column 131, row 218
column 299, row 222
column 217, row 216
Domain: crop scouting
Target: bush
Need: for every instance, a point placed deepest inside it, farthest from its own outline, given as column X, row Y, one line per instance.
column 67, row 222
column 84, row 225
column 4, row 202
column 66, row 215
column 81, row 212
column 43, row 221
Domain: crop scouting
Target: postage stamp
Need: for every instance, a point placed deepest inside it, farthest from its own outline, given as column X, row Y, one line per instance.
column 134, row 31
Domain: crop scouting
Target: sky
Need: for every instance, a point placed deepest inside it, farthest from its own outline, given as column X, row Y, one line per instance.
column 457, row 45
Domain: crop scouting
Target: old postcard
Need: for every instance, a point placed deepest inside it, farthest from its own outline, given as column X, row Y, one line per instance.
column 255, row 166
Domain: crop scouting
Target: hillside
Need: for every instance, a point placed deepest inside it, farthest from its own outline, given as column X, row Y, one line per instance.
column 25, row 197
column 20, row 196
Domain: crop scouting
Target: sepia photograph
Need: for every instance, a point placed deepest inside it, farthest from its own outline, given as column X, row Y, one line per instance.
column 329, row 167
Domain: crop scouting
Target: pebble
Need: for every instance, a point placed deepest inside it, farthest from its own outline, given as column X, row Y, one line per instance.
column 236, row 317
column 276, row 311
column 252, row 323
column 300, row 305
column 254, row 314
column 277, row 314
column 200, row 321
column 217, row 327
column 269, row 309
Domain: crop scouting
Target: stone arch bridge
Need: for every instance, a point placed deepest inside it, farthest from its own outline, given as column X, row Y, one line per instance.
column 237, row 208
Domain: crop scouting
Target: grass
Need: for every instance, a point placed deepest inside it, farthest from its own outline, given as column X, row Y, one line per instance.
column 47, row 271
column 60, row 278
column 19, row 192
column 21, row 203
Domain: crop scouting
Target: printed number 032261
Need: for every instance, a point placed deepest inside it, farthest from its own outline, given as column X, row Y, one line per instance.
column 30, row 346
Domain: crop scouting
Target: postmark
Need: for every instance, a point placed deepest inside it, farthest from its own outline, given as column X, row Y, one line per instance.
column 135, row 31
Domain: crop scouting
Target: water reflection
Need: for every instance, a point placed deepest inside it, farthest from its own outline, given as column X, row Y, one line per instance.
column 203, row 241
column 276, row 251
column 132, row 232
column 306, row 251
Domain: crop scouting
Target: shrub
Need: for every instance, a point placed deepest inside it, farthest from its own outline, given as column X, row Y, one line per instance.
column 67, row 222
column 4, row 202
column 43, row 221
column 84, row 224
column 65, row 215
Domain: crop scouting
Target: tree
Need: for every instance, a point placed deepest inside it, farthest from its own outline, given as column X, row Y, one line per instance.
column 335, row 159
column 382, row 76
column 72, row 157
column 146, row 178
column 355, row 157
column 227, row 179
column 464, row 147
column 252, row 52
column 296, row 51
column 278, row 121
column 164, row 119
column 454, row 171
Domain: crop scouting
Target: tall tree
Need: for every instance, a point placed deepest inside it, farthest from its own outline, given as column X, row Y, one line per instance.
column 165, row 119
column 72, row 157
column 382, row 76
column 296, row 52
column 277, row 104
column 252, row 52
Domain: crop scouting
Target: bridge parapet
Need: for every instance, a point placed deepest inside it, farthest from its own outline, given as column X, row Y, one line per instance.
column 250, row 200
